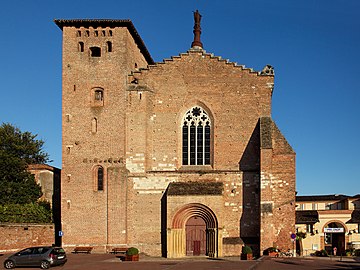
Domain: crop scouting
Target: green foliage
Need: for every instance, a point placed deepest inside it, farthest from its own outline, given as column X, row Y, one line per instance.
column 350, row 252
column 18, row 150
column 300, row 235
column 132, row 251
column 246, row 250
column 19, row 192
column 26, row 213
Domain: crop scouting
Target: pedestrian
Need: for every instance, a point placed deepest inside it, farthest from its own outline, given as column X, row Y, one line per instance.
column 334, row 250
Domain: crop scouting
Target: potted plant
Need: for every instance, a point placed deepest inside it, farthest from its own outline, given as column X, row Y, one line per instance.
column 246, row 253
column 132, row 254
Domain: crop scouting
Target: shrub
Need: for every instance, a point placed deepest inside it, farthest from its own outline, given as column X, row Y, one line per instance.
column 350, row 252
column 246, row 250
column 132, row 251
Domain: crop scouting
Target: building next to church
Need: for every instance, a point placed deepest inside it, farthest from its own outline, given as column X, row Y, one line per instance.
column 328, row 222
column 177, row 158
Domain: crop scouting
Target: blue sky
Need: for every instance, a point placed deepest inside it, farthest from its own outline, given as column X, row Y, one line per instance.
column 313, row 45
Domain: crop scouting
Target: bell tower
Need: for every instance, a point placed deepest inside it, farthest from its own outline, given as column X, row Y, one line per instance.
column 98, row 55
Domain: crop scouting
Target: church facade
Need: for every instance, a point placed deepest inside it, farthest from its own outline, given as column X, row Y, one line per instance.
column 177, row 158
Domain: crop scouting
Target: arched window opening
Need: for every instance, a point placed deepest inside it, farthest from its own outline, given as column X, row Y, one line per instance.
column 87, row 33
column 109, row 46
column 196, row 137
column 110, row 33
column 103, row 33
column 78, row 33
column 81, row 46
column 96, row 33
column 95, row 51
column 94, row 125
column 100, row 178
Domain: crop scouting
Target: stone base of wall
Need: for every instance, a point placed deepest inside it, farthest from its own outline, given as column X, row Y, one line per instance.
column 232, row 250
column 18, row 236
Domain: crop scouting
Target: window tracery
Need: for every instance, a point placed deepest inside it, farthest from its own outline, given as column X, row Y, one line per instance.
column 196, row 137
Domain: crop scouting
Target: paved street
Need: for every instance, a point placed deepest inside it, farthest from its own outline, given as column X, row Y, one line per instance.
column 110, row 262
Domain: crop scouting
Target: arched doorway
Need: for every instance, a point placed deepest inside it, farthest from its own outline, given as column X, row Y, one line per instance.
column 194, row 232
column 334, row 236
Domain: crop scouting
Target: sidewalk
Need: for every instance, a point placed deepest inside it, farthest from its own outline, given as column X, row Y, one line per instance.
column 332, row 258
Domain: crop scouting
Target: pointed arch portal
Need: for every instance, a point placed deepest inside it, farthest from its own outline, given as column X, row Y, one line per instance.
column 194, row 232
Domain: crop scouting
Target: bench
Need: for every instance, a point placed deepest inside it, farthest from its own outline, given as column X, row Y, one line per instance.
column 82, row 250
column 121, row 250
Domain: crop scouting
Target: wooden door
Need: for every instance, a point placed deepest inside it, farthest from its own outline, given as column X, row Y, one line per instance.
column 195, row 237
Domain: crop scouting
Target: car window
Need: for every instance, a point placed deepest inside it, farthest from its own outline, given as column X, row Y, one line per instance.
column 41, row 250
column 27, row 251
column 57, row 251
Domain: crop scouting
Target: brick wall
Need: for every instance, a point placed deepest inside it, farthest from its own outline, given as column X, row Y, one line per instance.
column 18, row 236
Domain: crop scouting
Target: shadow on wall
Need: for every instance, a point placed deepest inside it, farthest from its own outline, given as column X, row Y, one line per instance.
column 163, row 224
column 250, row 166
column 56, row 206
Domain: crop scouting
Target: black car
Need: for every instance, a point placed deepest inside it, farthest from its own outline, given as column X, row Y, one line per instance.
column 44, row 257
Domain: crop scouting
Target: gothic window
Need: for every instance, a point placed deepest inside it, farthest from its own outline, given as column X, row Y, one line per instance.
column 95, row 52
column 196, row 137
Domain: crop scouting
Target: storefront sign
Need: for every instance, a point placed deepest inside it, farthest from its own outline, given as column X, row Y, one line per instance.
column 334, row 230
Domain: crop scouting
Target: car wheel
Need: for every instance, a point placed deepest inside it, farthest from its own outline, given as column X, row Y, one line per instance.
column 45, row 265
column 9, row 264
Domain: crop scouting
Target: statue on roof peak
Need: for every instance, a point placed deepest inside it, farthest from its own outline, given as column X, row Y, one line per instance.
column 197, row 30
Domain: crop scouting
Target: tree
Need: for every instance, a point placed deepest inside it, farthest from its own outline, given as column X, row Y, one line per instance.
column 18, row 150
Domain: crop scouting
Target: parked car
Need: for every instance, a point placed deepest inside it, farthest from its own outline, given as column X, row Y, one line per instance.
column 44, row 257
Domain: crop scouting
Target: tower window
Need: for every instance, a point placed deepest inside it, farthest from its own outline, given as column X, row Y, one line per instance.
column 95, row 51
column 109, row 46
column 78, row 33
column 81, row 46
column 103, row 33
column 96, row 33
column 196, row 137
column 110, row 33
column 99, row 95
column 87, row 33
column 94, row 125
column 99, row 178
